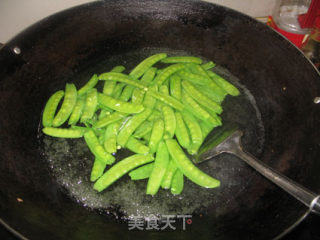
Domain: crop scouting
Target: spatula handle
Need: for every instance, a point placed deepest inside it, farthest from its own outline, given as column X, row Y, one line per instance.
column 301, row 193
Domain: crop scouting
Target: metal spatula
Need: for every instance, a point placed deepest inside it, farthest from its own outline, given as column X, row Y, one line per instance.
column 228, row 140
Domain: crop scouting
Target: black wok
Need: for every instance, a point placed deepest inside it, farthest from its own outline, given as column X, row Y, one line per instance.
column 44, row 186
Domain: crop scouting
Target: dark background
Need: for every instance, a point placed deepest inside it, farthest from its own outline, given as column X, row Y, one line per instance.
column 309, row 229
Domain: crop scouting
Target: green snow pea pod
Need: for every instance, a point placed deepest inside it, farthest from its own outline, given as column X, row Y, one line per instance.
column 206, row 128
column 142, row 67
column 103, row 113
column 197, row 69
column 126, row 93
column 90, row 105
column 195, row 132
column 194, row 78
column 147, row 137
column 63, row 132
column 95, row 147
column 121, row 168
column 187, row 68
column 158, row 106
column 105, row 108
column 159, row 71
column 208, row 65
column 89, row 85
column 109, row 86
column 91, row 121
column 118, row 105
column 123, row 78
column 182, row 59
column 118, row 69
column 141, row 172
column 118, row 90
column 155, row 115
column 200, row 112
column 110, row 137
column 84, row 129
column 172, row 102
column 218, row 92
column 97, row 169
column 213, row 91
column 111, row 118
column 149, row 101
column 77, row 111
column 131, row 125
column 182, row 133
column 148, row 76
column 170, row 171
column 201, row 98
column 70, row 99
column 224, row 84
column 51, row 107
column 218, row 121
column 143, row 129
column 156, row 135
column 159, row 168
column 202, row 80
column 214, row 115
column 177, row 183
column 167, row 72
column 136, row 146
column 166, row 82
column 188, row 168
column 164, row 89
column 101, row 138
column 137, row 96
column 98, row 132
column 169, row 122
column 175, row 86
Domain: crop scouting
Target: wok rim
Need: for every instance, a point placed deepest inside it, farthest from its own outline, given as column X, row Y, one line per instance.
column 12, row 230
column 279, row 236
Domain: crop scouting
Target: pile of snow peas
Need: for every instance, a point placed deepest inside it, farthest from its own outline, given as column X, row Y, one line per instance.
column 156, row 113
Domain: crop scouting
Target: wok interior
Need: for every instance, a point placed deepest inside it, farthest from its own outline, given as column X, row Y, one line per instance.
column 74, row 44
column 71, row 162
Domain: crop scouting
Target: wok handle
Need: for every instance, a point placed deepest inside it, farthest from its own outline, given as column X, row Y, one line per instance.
column 301, row 193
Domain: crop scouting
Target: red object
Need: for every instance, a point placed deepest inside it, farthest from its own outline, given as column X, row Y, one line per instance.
column 317, row 21
column 306, row 20
column 315, row 34
column 295, row 38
